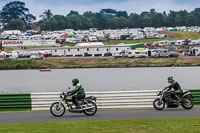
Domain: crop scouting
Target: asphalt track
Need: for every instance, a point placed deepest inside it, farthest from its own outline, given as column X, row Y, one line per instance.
column 119, row 114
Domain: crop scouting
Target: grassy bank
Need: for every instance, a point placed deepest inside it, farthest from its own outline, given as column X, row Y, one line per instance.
column 19, row 64
column 182, row 125
column 60, row 63
column 177, row 35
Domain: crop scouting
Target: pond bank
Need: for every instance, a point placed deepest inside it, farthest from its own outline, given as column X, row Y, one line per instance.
column 63, row 62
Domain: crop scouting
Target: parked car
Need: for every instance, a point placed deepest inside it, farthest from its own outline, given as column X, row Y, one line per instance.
column 121, row 53
column 137, row 53
column 36, row 55
column 172, row 54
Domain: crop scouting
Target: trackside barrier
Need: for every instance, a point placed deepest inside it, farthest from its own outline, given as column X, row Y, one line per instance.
column 196, row 94
column 15, row 102
column 110, row 99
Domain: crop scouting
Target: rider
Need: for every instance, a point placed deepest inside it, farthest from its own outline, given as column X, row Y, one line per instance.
column 175, row 85
column 78, row 92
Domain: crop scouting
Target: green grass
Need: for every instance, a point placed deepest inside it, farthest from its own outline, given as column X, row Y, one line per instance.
column 132, row 41
column 177, row 35
column 181, row 125
column 8, row 49
column 18, row 64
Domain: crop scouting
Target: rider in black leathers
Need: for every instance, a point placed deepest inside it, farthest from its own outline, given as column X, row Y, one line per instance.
column 177, row 89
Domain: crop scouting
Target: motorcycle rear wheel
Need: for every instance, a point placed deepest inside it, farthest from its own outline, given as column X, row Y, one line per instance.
column 158, row 105
column 56, row 110
column 187, row 103
column 92, row 111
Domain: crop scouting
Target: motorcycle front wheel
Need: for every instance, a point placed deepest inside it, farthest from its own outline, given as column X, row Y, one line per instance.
column 187, row 103
column 57, row 109
column 158, row 105
column 91, row 111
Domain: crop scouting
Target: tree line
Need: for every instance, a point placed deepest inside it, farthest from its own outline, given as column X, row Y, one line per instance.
column 15, row 15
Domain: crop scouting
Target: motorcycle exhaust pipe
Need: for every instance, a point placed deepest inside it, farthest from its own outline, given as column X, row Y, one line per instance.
column 186, row 94
column 88, row 108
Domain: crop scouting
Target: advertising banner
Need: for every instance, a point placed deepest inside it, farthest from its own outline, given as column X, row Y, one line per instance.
column 16, row 43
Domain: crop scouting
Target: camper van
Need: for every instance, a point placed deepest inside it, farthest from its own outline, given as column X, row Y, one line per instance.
column 36, row 55
column 121, row 53
column 137, row 53
column 158, row 53
column 164, row 43
column 179, row 42
column 194, row 51
column 9, row 56
column 194, row 42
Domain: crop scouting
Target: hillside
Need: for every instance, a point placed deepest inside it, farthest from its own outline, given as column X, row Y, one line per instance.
column 177, row 35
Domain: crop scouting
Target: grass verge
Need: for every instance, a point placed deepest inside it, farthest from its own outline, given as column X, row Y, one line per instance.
column 179, row 125
column 61, row 63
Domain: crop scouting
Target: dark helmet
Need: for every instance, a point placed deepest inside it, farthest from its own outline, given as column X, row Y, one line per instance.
column 75, row 82
column 170, row 79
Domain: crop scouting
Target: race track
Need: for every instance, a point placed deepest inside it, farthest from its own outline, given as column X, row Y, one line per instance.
column 119, row 114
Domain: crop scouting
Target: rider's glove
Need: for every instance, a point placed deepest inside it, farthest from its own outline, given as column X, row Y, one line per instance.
column 69, row 92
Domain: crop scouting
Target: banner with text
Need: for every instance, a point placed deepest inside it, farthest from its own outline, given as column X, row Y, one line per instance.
column 16, row 43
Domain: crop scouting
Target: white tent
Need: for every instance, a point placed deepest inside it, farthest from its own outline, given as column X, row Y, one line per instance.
column 11, row 32
column 90, row 44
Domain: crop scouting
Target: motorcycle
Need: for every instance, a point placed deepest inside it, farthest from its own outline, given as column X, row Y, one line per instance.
column 166, row 98
column 87, row 105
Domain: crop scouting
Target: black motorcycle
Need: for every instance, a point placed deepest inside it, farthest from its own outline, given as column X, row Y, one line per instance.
column 168, row 98
column 87, row 105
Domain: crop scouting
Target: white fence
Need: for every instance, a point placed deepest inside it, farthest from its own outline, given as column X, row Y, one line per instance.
column 109, row 99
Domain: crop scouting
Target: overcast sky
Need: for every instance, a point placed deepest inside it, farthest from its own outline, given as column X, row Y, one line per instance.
column 62, row 7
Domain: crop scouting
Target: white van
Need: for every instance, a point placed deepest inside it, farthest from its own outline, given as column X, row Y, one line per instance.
column 121, row 53
column 179, row 42
column 9, row 56
column 158, row 53
column 137, row 53
column 36, row 55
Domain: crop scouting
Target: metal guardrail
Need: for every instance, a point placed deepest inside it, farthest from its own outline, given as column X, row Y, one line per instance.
column 15, row 102
column 110, row 99
column 196, row 94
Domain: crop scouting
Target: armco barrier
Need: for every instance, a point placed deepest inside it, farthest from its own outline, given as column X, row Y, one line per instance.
column 196, row 94
column 109, row 99
column 15, row 102
column 112, row 99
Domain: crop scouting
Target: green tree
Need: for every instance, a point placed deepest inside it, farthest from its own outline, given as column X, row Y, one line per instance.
column 109, row 11
column 73, row 13
column 16, row 24
column 196, row 16
column 76, row 21
column 123, row 22
column 46, row 14
column 60, row 22
column 29, row 21
column 122, row 14
column 15, row 10
column 135, row 21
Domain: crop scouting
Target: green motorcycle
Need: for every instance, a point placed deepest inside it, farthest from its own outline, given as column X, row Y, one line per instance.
column 88, row 105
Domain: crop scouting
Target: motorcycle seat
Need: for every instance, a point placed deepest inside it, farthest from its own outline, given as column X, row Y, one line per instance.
column 184, row 92
column 90, row 97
